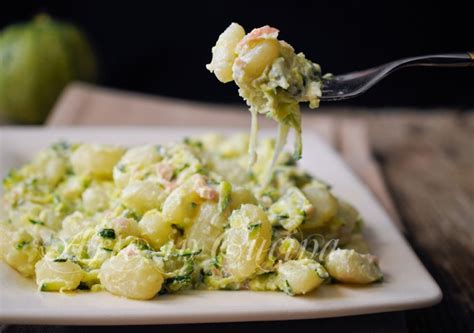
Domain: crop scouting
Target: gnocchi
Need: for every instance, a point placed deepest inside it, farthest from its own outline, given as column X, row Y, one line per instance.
column 133, row 162
column 141, row 196
column 131, row 275
column 57, row 276
column 351, row 267
column 21, row 251
column 154, row 229
column 324, row 205
column 223, row 54
column 247, row 241
column 95, row 198
column 301, row 276
column 73, row 224
column 96, row 161
column 180, row 206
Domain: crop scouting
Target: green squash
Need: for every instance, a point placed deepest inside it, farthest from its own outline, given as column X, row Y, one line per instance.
column 37, row 60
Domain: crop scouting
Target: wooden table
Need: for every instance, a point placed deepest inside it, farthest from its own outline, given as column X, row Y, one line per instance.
column 420, row 165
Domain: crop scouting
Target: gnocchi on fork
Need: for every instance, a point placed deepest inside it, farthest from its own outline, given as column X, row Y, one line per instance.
column 271, row 77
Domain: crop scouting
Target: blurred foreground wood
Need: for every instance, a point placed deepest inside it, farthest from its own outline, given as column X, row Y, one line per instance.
column 425, row 159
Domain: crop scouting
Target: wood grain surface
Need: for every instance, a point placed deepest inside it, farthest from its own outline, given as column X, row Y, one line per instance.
column 428, row 162
column 420, row 165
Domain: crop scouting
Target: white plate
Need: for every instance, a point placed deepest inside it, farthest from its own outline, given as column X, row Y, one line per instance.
column 407, row 284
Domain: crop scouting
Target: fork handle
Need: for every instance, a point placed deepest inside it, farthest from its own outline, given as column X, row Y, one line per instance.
column 442, row 60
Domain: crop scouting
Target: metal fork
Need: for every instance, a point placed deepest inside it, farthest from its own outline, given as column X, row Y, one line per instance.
column 350, row 85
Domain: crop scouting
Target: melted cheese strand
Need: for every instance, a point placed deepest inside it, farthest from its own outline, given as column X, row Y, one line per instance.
column 253, row 138
column 283, row 130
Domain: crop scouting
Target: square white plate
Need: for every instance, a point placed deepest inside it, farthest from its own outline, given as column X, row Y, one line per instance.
column 407, row 284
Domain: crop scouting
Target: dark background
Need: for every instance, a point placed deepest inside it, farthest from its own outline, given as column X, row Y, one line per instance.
column 161, row 47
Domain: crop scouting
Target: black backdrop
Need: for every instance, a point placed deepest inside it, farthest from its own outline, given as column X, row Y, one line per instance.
column 161, row 47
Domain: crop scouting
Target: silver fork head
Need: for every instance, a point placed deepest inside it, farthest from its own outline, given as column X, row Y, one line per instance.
column 350, row 85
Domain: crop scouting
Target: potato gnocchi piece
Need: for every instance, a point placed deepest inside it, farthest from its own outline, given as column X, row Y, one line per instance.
column 134, row 160
column 125, row 226
column 256, row 52
column 96, row 161
column 141, row 156
column 55, row 171
column 351, row 267
column 206, row 229
column 57, row 276
column 223, row 53
column 142, row 196
column 181, row 206
column 130, row 274
column 20, row 250
column 298, row 277
column 72, row 188
column 324, row 205
column 95, row 198
column 155, row 229
column 247, row 241
column 73, row 224
column 50, row 166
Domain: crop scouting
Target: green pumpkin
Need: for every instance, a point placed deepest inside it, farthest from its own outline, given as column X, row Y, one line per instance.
column 37, row 60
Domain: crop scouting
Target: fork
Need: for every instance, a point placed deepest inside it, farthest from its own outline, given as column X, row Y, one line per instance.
column 353, row 84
